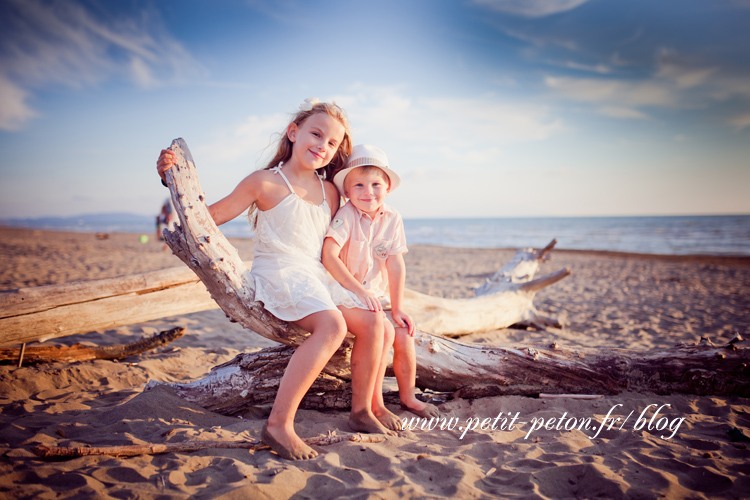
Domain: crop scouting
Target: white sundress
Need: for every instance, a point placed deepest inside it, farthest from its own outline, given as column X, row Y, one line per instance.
column 289, row 278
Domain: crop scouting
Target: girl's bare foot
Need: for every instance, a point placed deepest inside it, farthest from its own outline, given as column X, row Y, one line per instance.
column 365, row 421
column 289, row 447
column 388, row 419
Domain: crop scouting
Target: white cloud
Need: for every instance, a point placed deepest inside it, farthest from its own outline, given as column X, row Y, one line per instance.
column 62, row 43
column 446, row 131
column 620, row 112
column 675, row 83
column 531, row 8
column 246, row 142
column 741, row 122
column 672, row 67
column 597, row 68
column 14, row 111
column 617, row 92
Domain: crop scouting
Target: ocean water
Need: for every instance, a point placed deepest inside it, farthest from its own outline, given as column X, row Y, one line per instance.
column 677, row 235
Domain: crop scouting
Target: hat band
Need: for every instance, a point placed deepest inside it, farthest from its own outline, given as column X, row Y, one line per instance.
column 359, row 162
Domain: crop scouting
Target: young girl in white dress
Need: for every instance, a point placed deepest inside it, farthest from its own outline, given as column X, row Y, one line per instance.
column 294, row 206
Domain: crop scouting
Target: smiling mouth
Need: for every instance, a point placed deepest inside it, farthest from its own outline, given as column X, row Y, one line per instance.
column 319, row 156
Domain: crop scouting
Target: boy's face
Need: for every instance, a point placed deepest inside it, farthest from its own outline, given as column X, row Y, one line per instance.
column 367, row 189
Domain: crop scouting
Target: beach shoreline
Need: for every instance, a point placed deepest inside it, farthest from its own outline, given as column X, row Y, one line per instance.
column 612, row 299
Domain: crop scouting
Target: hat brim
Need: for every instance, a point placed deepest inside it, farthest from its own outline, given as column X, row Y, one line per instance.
column 340, row 177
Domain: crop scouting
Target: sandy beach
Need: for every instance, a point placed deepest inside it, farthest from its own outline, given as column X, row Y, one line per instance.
column 618, row 300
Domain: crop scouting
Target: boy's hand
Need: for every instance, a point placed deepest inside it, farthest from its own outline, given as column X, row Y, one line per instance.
column 372, row 303
column 403, row 320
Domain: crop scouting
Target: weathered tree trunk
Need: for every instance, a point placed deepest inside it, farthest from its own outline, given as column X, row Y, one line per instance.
column 78, row 352
column 471, row 371
column 505, row 299
column 46, row 312
column 443, row 364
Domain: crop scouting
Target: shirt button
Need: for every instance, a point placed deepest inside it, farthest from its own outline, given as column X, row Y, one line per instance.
column 364, row 282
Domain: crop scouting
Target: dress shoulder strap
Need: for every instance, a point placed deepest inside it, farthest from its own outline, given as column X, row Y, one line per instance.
column 277, row 170
column 322, row 187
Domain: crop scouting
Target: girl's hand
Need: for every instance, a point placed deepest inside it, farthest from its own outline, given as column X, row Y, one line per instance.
column 403, row 320
column 372, row 303
column 166, row 160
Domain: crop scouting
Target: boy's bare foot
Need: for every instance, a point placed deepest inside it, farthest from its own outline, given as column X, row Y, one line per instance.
column 388, row 419
column 365, row 421
column 422, row 409
column 289, row 447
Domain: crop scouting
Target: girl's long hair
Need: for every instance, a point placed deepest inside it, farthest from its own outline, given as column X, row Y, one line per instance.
column 284, row 150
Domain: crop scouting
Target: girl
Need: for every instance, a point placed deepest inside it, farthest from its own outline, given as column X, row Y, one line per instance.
column 293, row 206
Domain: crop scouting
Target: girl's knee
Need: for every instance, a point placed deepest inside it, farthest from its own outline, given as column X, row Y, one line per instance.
column 389, row 333
column 332, row 326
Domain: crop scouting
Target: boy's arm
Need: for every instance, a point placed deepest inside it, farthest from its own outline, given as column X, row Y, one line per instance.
column 396, row 283
column 334, row 265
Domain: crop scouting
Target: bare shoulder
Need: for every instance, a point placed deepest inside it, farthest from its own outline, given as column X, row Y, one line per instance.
column 267, row 187
column 261, row 177
column 258, row 182
column 332, row 196
column 331, row 190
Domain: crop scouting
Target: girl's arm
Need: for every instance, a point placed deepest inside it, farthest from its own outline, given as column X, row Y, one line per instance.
column 236, row 202
column 333, row 197
column 333, row 263
column 229, row 207
column 396, row 268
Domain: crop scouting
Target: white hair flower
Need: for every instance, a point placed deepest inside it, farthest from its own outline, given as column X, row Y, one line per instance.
column 309, row 103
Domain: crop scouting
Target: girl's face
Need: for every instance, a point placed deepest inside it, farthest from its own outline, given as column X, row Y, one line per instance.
column 316, row 140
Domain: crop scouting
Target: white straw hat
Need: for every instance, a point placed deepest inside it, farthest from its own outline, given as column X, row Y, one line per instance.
column 364, row 155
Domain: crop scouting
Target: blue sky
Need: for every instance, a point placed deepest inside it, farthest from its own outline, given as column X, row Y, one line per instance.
column 487, row 108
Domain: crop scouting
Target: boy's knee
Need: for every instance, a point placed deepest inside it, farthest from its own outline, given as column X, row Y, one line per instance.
column 402, row 337
column 375, row 324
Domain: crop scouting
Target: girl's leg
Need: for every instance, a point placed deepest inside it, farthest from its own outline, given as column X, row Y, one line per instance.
column 327, row 330
column 367, row 328
column 388, row 419
column 405, row 369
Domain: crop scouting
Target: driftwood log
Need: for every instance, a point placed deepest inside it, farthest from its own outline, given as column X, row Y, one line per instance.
column 471, row 371
column 79, row 352
column 45, row 312
column 189, row 446
column 443, row 364
column 504, row 300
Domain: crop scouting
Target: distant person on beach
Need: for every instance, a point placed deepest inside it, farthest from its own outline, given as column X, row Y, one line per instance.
column 166, row 219
column 363, row 250
column 291, row 206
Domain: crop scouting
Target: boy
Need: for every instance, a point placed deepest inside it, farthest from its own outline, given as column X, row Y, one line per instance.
column 363, row 250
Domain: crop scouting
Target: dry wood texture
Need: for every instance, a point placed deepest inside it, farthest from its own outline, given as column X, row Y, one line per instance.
column 46, row 312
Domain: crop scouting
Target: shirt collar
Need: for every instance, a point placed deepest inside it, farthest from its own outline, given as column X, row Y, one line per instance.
column 385, row 209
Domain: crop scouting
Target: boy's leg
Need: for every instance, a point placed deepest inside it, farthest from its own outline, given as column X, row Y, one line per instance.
column 327, row 330
column 367, row 328
column 405, row 369
column 385, row 417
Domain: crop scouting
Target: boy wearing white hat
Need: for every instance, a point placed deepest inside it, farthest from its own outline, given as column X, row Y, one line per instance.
column 363, row 250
